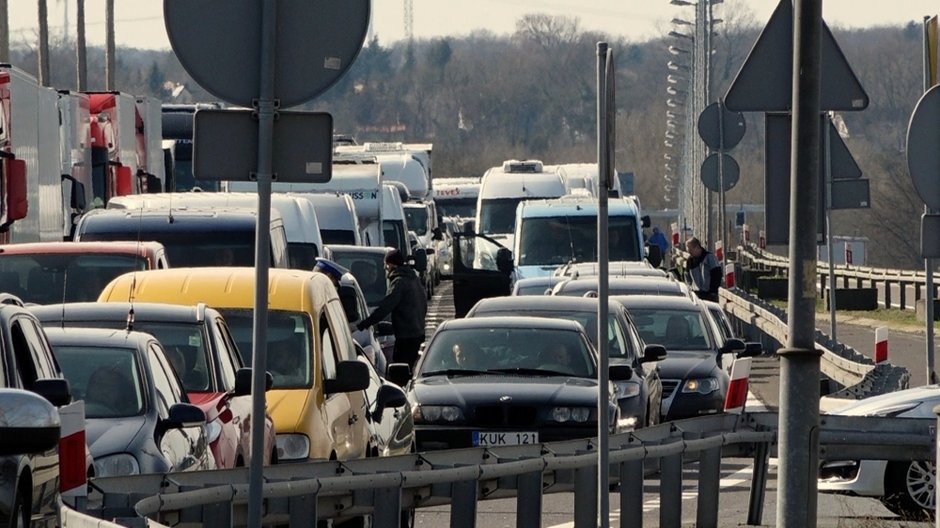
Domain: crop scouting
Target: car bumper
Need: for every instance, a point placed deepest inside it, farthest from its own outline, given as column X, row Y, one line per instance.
column 432, row 437
column 689, row 405
column 865, row 478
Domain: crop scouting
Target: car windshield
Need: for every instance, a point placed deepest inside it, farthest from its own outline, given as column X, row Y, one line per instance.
column 677, row 330
column 290, row 357
column 107, row 379
column 523, row 350
column 624, row 287
column 56, row 278
column 369, row 270
column 560, row 239
column 184, row 343
column 618, row 346
column 196, row 248
column 417, row 219
column 464, row 207
column 498, row 215
column 345, row 237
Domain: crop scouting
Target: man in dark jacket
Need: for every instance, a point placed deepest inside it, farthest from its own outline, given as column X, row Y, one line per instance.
column 703, row 270
column 407, row 303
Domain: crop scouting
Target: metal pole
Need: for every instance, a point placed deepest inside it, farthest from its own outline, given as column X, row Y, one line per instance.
column 827, row 163
column 4, row 31
column 266, row 108
column 929, row 263
column 109, row 45
column 80, row 50
column 799, row 369
column 43, row 43
column 603, row 167
column 721, row 173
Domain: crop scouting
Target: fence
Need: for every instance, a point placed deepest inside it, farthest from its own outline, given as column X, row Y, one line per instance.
column 296, row 494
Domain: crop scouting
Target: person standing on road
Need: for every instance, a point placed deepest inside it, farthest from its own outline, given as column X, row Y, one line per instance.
column 407, row 303
column 702, row 270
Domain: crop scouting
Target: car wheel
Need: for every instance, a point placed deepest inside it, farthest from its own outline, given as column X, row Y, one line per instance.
column 910, row 489
column 19, row 517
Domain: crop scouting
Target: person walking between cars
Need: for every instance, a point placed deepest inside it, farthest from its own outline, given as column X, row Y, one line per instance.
column 702, row 270
column 407, row 303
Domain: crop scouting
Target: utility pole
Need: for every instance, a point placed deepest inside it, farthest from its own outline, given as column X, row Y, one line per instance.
column 80, row 51
column 109, row 46
column 43, row 43
column 4, row 32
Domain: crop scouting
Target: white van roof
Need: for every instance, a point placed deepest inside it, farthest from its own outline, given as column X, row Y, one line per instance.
column 334, row 210
column 499, row 184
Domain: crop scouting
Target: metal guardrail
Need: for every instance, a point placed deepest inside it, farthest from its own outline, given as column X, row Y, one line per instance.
column 897, row 288
column 296, row 494
column 856, row 373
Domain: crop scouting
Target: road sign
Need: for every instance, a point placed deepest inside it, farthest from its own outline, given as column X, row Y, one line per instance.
column 712, row 177
column 923, row 147
column 732, row 125
column 740, row 219
column 225, row 146
column 765, row 81
column 850, row 194
column 777, row 177
column 930, row 236
column 218, row 44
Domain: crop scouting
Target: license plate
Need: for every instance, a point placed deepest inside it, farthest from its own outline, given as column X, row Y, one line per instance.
column 484, row 438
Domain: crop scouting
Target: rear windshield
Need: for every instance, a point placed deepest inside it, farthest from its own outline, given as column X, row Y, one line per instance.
column 49, row 279
column 290, row 353
column 498, row 215
column 108, row 379
column 677, row 330
column 194, row 248
column 618, row 347
column 465, row 207
column 561, row 239
column 344, row 237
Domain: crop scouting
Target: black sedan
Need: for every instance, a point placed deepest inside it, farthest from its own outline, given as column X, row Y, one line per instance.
column 506, row 380
column 640, row 396
column 138, row 418
column 694, row 382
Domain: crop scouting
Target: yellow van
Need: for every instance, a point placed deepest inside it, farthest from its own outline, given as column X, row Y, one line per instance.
column 317, row 400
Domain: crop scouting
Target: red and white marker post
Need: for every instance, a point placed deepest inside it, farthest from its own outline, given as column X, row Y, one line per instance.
column 73, row 476
column 737, row 387
column 675, row 234
column 719, row 251
column 881, row 344
column 729, row 275
column 761, row 239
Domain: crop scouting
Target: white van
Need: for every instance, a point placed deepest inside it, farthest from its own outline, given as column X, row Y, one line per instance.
column 409, row 163
column 456, row 197
column 336, row 214
column 298, row 215
column 503, row 188
column 552, row 233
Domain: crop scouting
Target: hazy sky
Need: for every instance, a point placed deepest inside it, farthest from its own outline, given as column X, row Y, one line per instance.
column 140, row 22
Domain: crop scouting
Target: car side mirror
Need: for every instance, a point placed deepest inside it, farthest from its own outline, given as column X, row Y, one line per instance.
column 243, row 382
column 653, row 353
column 388, row 397
column 421, row 260
column 185, row 415
column 398, row 373
column 384, row 328
column 620, row 372
column 55, row 390
column 429, row 251
column 437, row 234
column 28, row 423
column 504, row 260
column 350, row 302
column 645, row 219
column 733, row 345
column 351, row 376
column 752, row 349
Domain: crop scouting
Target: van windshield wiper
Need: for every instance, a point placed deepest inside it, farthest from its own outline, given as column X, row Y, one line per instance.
column 452, row 372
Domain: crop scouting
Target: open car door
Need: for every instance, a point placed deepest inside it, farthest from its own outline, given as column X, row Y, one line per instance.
column 482, row 269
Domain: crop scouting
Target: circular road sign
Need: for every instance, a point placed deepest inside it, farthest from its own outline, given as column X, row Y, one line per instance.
column 218, row 42
column 923, row 147
column 731, row 122
column 711, row 176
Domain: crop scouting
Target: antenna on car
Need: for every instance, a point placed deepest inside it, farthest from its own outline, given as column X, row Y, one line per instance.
column 133, row 288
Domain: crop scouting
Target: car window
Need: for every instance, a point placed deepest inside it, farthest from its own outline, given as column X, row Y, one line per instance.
column 177, row 393
column 677, row 330
column 289, row 353
column 25, row 366
column 617, row 344
column 161, row 382
column 228, row 355
column 108, row 379
column 39, row 350
column 186, row 348
column 328, row 349
column 346, row 348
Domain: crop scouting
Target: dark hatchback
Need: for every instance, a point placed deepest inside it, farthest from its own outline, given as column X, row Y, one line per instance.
column 506, row 381
column 640, row 396
column 694, row 382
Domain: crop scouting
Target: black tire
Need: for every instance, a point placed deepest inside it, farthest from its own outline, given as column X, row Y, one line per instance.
column 910, row 489
column 20, row 517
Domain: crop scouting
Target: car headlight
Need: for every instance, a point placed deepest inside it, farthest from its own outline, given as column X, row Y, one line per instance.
column 701, row 385
column 571, row 414
column 626, row 389
column 437, row 413
column 214, row 430
column 119, row 465
column 292, row 447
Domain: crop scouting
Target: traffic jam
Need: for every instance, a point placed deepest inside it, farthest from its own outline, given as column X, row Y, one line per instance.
column 134, row 295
